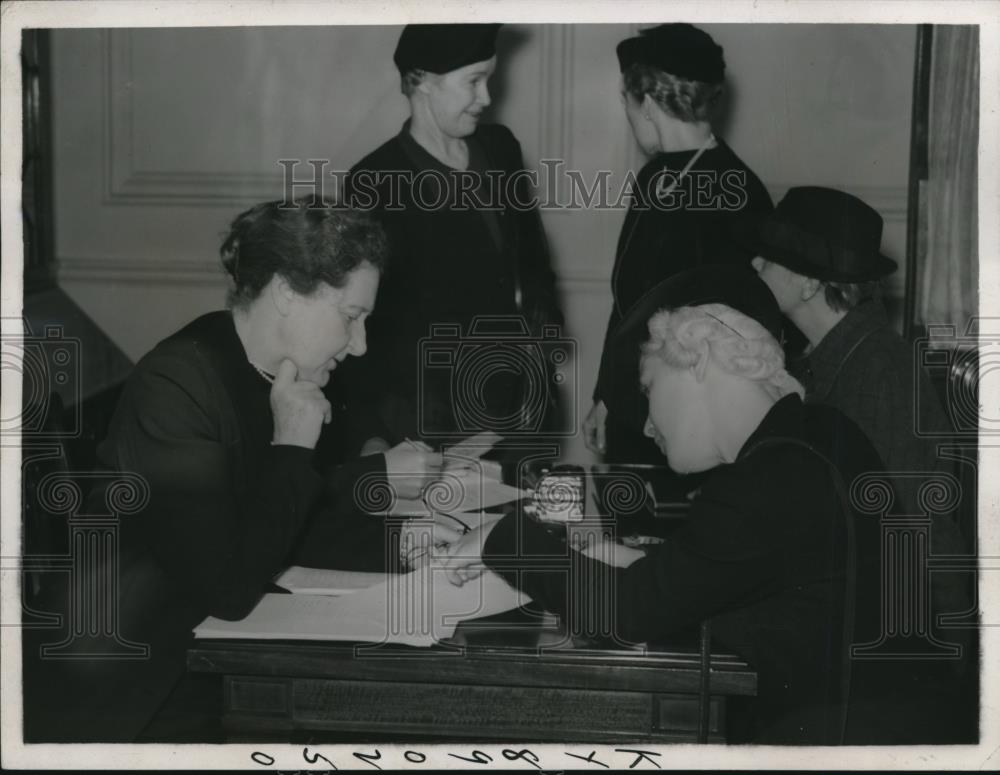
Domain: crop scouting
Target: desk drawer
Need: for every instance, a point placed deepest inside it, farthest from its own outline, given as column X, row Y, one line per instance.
column 480, row 712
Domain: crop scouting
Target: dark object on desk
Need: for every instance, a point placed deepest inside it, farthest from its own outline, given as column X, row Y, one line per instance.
column 560, row 495
column 640, row 499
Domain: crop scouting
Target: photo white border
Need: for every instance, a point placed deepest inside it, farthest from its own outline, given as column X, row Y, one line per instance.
column 19, row 14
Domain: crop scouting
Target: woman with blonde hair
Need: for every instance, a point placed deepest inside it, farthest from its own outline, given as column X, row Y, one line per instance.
column 769, row 550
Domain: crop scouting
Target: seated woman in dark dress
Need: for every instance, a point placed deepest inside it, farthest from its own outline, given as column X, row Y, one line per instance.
column 768, row 549
column 222, row 421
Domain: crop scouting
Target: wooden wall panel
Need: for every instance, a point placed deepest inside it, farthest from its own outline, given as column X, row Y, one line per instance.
column 163, row 135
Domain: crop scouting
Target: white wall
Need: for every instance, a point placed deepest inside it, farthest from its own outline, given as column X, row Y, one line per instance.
column 162, row 136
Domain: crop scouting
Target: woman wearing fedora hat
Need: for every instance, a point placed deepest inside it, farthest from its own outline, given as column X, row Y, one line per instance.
column 819, row 253
column 692, row 187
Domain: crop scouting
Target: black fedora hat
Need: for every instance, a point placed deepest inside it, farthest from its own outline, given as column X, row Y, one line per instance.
column 822, row 233
column 734, row 285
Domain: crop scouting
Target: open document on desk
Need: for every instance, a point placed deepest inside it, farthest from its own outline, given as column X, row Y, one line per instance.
column 416, row 609
column 459, row 491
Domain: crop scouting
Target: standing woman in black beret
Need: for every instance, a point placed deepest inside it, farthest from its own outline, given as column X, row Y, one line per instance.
column 451, row 193
column 687, row 195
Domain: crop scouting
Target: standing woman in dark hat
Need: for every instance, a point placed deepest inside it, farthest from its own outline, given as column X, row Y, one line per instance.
column 462, row 243
column 688, row 193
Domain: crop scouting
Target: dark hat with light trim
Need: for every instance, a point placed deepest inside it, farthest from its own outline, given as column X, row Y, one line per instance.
column 822, row 233
column 679, row 49
column 734, row 285
column 441, row 48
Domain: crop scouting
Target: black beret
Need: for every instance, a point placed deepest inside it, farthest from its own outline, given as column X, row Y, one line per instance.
column 441, row 48
column 679, row 49
column 734, row 285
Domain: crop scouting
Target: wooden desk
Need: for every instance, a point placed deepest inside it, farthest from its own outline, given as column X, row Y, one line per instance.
column 511, row 681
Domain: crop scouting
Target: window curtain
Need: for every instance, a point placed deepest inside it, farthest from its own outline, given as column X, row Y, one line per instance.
column 948, row 242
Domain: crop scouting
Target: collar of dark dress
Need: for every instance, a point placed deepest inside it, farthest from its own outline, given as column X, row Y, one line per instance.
column 219, row 335
column 784, row 419
column 423, row 159
column 675, row 161
column 826, row 360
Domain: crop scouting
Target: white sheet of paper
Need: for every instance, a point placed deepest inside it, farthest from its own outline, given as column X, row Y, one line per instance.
column 324, row 581
column 416, row 609
column 488, row 469
column 474, row 446
column 457, row 492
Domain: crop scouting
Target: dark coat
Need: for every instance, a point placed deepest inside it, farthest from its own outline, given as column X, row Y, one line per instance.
column 867, row 371
column 662, row 237
column 763, row 555
column 227, row 510
column 477, row 256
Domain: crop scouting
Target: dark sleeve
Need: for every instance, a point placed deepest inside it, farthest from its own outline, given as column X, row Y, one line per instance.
column 219, row 539
column 351, row 392
column 348, row 530
column 601, row 387
column 538, row 280
column 725, row 556
column 349, row 479
column 759, row 198
column 365, row 386
column 885, row 404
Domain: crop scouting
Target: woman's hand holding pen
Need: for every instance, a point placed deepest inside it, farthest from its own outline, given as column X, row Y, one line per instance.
column 465, row 556
column 465, row 560
column 410, row 466
column 424, row 539
column 299, row 407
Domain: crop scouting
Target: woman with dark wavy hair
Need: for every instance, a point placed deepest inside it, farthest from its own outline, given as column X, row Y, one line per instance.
column 222, row 420
column 685, row 198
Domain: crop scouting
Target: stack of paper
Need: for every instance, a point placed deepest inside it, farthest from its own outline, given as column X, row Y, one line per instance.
column 416, row 609
column 320, row 581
